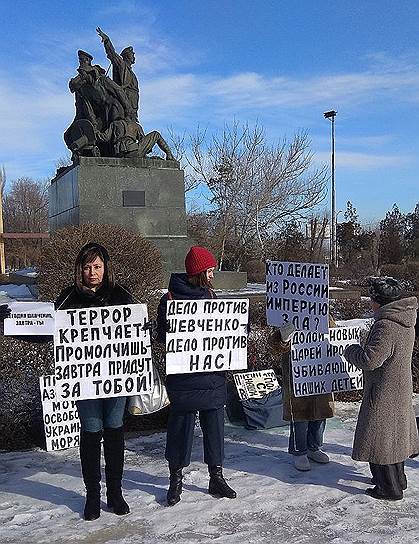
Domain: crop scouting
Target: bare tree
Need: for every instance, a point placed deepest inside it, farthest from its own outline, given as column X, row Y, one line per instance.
column 178, row 146
column 255, row 186
column 316, row 228
column 25, row 208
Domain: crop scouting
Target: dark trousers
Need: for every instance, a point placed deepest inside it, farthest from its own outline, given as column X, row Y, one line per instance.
column 306, row 435
column 180, row 432
column 389, row 479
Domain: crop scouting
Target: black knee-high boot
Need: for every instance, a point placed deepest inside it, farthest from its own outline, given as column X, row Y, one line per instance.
column 90, row 444
column 175, row 486
column 217, row 485
column 113, row 447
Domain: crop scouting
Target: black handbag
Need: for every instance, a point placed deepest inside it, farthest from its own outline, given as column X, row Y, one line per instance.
column 264, row 413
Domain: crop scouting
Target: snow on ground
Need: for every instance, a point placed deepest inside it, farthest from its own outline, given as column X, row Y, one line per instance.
column 41, row 496
column 17, row 292
column 250, row 289
column 29, row 272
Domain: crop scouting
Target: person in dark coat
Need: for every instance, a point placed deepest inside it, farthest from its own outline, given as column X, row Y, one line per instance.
column 386, row 433
column 94, row 285
column 203, row 392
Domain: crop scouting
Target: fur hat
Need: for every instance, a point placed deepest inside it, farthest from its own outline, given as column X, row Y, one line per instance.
column 198, row 260
column 384, row 290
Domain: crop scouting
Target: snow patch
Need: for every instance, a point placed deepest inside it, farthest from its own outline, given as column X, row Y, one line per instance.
column 42, row 495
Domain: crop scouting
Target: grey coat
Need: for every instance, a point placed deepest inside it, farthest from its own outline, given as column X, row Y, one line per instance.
column 386, row 431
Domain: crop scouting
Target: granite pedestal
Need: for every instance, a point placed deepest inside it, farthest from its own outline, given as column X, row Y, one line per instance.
column 142, row 195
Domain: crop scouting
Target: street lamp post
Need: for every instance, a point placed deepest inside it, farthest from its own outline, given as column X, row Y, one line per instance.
column 2, row 255
column 333, row 242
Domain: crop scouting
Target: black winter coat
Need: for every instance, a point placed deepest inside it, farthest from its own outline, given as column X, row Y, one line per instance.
column 190, row 392
column 73, row 298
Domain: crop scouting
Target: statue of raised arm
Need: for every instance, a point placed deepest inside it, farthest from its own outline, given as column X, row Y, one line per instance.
column 122, row 72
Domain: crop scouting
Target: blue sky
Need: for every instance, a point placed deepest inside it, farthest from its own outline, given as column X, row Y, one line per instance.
column 282, row 63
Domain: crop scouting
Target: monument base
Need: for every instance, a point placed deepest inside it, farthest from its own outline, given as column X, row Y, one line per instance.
column 142, row 195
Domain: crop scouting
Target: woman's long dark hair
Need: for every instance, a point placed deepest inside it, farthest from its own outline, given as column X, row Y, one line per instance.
column 201, row 280
column 88, row 254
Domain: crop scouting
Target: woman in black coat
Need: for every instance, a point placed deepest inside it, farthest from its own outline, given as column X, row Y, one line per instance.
column 94, row 286
column 204, row 392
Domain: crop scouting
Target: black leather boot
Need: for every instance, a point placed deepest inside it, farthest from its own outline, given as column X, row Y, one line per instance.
column 175, row 487
column 113, row 447
column 90, row 467
column 401, row 475
column 377, row 493
column 389, row 480
column 217, row 485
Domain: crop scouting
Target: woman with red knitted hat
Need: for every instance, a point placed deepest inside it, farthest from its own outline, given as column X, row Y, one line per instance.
column 204, row 392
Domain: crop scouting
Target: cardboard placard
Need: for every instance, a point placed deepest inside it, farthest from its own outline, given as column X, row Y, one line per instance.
column 255, row 385
column 318, row 365
column 102, row 352
column 30, row 318
column 298, row 293
column 61, row 419
column 206, row 335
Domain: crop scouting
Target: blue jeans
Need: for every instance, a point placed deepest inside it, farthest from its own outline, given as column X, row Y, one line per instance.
column 306, row 435
column 98, row 414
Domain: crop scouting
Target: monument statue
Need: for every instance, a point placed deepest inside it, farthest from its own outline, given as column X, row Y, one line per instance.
column 122, row 72
column 106, row 120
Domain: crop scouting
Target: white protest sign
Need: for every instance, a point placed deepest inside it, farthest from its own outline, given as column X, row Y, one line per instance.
column 30, row 318
column 206, row 335
column 318, row 365
column 61, row 420
column 102, row 352
column 297, row 293
column 255, row 385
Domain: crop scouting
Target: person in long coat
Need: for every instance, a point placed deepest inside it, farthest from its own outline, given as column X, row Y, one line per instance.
column 307, row 415
column 386, row 433
column 94, row 285
column 203, row 392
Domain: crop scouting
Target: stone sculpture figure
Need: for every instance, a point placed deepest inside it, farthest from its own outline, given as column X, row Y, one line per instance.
column 122, row 72
column 106, row 122
column 98, row 98
column 99, row 101
column 129, row 140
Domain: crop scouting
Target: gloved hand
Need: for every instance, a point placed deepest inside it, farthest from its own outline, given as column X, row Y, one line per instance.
column 363, row 336
column 5, row 311
column 248, row 328
column 286, row 331
column 149, row 325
